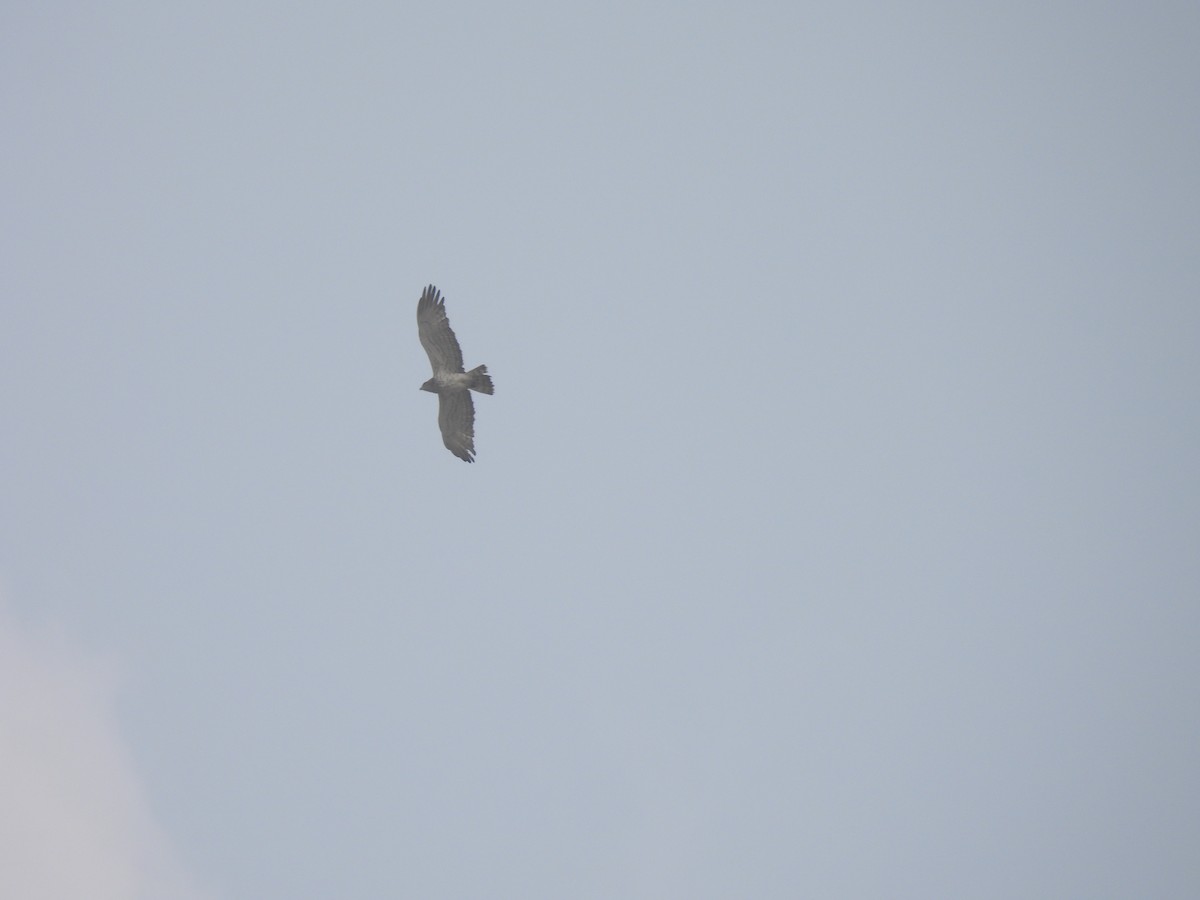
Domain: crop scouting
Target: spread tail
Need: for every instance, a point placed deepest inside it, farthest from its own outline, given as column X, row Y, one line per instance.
column 480, row 380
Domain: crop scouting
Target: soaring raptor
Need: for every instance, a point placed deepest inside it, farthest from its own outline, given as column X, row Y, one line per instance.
column 456, row 412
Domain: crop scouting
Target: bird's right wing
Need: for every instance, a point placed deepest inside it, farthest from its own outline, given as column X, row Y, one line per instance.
column 456, row 418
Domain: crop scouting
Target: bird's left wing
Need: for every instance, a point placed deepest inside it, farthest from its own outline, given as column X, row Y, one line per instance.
column 436, row 336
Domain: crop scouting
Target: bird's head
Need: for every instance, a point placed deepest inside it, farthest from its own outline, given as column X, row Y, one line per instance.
column 429, row 386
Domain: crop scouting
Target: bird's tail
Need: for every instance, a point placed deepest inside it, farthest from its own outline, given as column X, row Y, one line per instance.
column 480, row 380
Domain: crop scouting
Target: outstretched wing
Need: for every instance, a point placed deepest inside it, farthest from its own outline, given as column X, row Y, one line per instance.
column 456, row 418
column 436, row 337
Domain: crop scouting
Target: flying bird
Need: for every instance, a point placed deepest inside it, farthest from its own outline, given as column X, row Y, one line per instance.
column 456, row 412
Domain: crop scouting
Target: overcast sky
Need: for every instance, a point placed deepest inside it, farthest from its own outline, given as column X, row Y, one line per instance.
column 834, row 529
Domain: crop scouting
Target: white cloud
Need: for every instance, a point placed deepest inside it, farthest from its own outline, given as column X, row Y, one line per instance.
column 74, row 821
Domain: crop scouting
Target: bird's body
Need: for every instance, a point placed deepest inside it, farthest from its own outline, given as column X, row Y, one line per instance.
column 456, row 411
column 447, row 381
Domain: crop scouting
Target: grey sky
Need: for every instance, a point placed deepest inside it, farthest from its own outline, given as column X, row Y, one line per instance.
column 833, row 530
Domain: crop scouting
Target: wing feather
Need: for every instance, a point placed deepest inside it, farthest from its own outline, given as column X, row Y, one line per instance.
column 456, row 418
column 436, row 335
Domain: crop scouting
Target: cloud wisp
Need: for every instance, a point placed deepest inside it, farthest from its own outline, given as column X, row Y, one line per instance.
column 74, row 821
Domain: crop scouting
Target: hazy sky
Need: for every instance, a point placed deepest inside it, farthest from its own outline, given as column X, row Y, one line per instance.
column 834, row 531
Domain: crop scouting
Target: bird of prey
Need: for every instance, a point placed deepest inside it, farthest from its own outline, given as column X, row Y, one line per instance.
column 456, row 412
